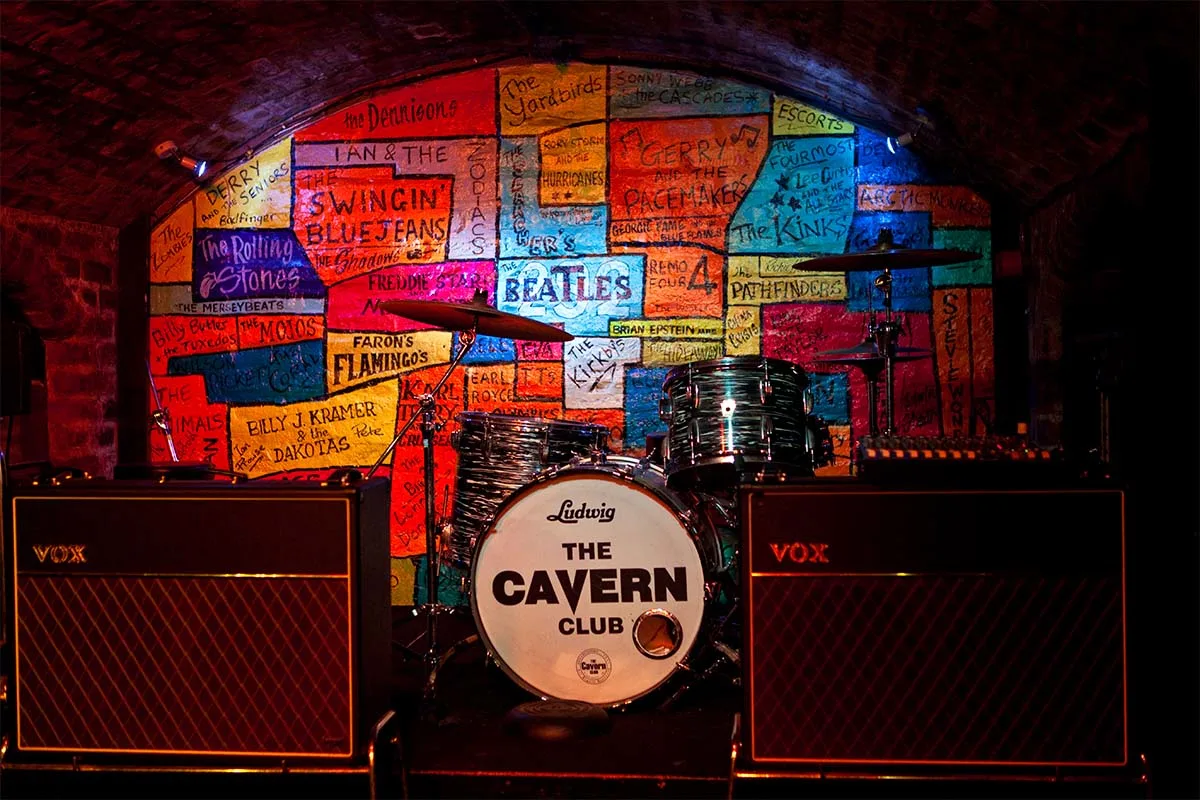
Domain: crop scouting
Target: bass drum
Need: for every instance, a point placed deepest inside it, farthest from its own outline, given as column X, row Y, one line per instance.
column 589, row 583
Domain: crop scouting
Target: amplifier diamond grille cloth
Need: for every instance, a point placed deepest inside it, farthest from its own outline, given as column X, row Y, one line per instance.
column 184, row 664
column 938, row 668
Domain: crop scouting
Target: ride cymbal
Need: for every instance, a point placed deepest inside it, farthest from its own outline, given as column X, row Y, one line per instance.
column 868, row 349
column 866, row 362
column 884, row 254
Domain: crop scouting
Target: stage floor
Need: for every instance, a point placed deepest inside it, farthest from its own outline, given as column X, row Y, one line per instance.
column 462, row 748
column 465, row 749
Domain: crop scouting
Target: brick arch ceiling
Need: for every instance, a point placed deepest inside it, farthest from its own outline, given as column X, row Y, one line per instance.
column 1024, row 96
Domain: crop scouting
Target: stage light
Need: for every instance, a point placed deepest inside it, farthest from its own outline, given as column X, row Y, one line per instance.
column 168, row 151
column 923, row 123
column 895, row 143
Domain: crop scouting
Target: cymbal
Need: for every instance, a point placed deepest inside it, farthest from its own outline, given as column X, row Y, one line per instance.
column 868, row 362
column 477, row 314
column 884, row 254
column 868, row 349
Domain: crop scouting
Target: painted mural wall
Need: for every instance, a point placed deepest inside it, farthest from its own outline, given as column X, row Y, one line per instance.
column 655, row 215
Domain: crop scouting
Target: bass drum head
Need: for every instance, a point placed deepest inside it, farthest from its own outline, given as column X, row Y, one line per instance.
column 588, row 585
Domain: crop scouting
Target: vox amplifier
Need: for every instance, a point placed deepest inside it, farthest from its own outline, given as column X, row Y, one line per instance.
column 934, row 627
column 198, row 619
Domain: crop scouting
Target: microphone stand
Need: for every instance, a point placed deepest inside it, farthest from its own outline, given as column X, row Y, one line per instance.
column 429, row 427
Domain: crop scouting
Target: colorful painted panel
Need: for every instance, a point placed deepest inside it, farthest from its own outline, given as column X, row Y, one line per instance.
column 656, row 215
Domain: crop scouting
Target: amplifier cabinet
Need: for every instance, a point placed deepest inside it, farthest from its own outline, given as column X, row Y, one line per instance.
column 934, row 627
column 198, row 619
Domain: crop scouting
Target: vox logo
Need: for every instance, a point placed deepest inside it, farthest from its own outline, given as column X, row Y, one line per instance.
column 801, row 552
column 60, row 553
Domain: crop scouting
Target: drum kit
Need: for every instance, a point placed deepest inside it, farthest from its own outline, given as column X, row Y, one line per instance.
column 600, row 577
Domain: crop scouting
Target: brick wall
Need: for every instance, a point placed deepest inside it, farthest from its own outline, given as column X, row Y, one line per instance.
column 62, row 274
column 1081, row 247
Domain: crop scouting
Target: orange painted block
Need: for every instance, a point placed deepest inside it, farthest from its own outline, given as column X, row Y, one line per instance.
column 952, row 353
column 682, row 281
column 199, row 429
column 449, row 402
column 540, row 380
column 842, row 442
column 171, row 248
column 681, row 180
column 983, row 359
column 490, row 387
column 264, row 330
column 950, row 206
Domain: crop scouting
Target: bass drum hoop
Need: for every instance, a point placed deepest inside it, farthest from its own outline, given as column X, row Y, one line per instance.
column 609, row 469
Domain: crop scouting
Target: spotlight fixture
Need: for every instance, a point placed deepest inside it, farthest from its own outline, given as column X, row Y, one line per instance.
column 894, row 143
column 168, row 151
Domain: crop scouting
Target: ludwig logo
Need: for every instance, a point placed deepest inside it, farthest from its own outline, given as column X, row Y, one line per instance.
column 60, row 553
column 801, row 552
column 593, row 665
column 568, row 514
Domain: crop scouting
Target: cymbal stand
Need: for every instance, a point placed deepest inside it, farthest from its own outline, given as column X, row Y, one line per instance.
column 159, row 418
column 429, row 427
column 886, row 335
column 871, row 373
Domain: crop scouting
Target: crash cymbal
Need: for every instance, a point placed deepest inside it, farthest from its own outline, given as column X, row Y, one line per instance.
column 884, row 254
column 868, row 349
column 477, row 314
column 869, row 362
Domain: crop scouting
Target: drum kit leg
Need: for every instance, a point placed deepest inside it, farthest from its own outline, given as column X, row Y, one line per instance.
column 427, row 412
column 470, row 320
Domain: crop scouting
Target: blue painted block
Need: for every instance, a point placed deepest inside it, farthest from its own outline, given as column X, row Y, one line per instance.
column 876, row 164
column 910, row 291
column 909, row 229
column 237, row 264
column 580, row 294
column 489, row 350
column 643, row 386
column 529, row 231
column 802, row 201
column 969, row 273
column 449, row 584
column 831, row 396
column 277, row 375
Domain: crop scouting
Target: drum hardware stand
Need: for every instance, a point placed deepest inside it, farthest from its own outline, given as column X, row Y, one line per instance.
column 427, row 411
column 886, row 335
column 161, row 418
column 725, row 656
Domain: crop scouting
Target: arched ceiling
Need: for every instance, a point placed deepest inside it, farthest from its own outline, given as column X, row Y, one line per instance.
column 1024, row 96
